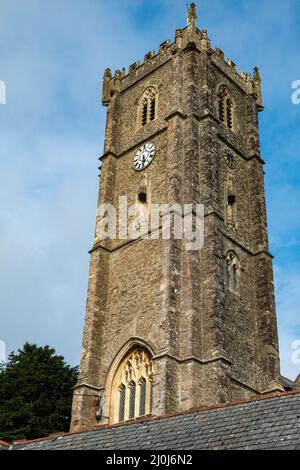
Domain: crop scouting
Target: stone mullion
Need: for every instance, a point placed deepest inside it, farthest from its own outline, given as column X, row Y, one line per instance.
column 148, row 110
column 148, row 396
column 127, row 402
column 137, row 399
column 115, row 407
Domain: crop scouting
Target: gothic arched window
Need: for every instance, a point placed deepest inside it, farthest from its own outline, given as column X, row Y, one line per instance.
column 225, row 103
column 232, row 272
column 148, row 106
column 131, row 392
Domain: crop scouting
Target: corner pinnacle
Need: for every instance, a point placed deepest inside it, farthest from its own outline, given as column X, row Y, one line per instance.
column 192, row 16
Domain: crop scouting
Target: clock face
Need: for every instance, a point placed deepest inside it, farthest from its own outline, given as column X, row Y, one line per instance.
column 229, row 159
column 144, row 156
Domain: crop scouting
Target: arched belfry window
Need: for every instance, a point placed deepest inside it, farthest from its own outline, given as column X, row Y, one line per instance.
column 148, row 106
column 131, row 391
column 225, row 104
column 232, row 272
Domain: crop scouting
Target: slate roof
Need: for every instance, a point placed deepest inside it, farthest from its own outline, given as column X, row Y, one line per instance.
column 263, row 423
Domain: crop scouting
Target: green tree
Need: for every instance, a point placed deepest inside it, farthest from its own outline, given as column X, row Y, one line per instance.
column 35, row 393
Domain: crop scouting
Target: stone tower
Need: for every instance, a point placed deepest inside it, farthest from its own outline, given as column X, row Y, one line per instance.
column 167, row 328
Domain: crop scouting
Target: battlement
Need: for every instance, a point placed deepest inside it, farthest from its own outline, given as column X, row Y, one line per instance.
column 190, row 35
column 251, row 84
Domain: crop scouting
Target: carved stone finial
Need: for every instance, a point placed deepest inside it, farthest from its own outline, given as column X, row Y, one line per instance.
column 107, row 74
column 118, row 74
column 256, row 74
column 205, row 42
column 257, row 89
column 192, row 16
column 106, row 87
column 178, row 38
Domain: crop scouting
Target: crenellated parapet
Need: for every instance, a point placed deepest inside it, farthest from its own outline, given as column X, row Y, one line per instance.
column 189, row 37
column 251, row 84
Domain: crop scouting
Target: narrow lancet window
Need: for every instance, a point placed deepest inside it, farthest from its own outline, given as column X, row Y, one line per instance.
column 148, row 107
column 225, row 104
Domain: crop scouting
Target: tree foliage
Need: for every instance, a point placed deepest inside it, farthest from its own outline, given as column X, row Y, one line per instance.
column 35, row 393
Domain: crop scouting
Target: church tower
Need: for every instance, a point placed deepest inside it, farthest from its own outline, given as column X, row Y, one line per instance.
column 169, row 328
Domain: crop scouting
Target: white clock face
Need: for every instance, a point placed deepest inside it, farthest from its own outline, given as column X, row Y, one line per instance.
column 144, row 156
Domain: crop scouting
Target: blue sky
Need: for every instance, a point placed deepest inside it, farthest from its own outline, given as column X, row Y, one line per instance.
column 52, row 57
